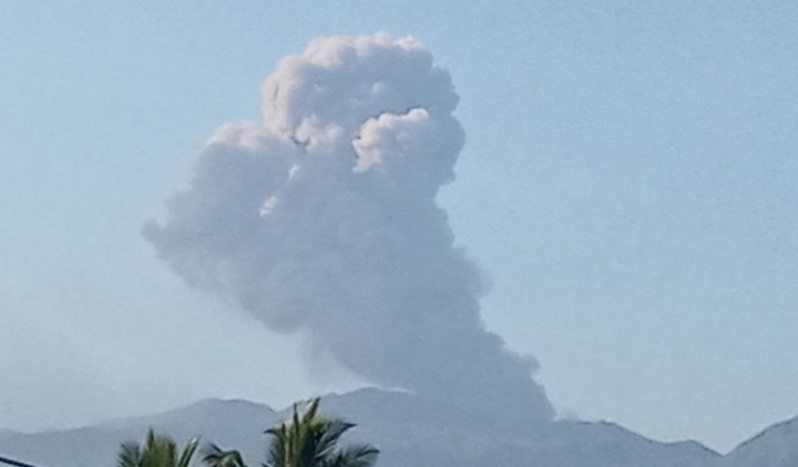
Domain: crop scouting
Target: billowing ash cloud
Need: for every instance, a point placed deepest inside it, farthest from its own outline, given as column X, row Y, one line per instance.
column 322, row 218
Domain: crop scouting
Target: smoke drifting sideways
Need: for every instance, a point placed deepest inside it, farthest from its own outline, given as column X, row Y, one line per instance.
column 323, row 219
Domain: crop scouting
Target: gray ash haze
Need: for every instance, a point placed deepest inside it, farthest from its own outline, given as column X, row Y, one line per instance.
column 322, row 219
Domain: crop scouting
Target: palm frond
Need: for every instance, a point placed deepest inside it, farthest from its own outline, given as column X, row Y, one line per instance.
column 310, row 439
column 214, row 456
column 188, row 453
column 311, row 411
column 360, row 455
column 129, row 455
column 210, row 453
column 278, row 448
column 330, row 436
column 157, row 451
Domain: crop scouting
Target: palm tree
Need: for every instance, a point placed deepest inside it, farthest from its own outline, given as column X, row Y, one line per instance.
column 309, row 440
column 158, row 451
column 216, row 457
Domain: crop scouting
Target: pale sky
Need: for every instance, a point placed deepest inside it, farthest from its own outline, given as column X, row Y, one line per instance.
column 628, row 183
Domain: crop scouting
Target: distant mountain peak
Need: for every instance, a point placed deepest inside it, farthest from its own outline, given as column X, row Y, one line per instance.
column 790, row 425
column 776, row 445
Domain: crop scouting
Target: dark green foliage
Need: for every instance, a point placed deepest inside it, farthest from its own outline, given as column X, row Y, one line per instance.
column 306, row 440
column 311, row 440
column 215, row 457
column 158, row 451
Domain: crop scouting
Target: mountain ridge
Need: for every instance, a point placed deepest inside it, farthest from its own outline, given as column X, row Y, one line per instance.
column 408, row 429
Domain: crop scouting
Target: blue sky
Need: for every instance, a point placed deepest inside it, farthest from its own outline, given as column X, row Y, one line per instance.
column 628, row 184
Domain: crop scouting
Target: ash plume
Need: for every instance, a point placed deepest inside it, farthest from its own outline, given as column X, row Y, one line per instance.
column 322, row 219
